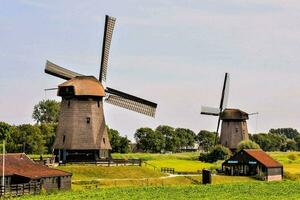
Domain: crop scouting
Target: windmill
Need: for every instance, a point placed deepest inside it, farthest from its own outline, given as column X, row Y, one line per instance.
column 234, row 126
column 81, row 134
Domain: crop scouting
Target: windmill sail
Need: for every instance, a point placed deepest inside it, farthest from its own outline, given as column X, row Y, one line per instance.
column 60, row 72
column 107, row 36
column 205, row 110
column 130, row 102
column 225, row 90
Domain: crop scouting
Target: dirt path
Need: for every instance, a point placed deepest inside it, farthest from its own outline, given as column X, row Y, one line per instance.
column 133, row 179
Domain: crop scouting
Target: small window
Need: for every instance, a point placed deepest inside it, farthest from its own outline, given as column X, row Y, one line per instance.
column 98, row 104
column 69, row 103
column 236, row 130
column 104, row 140
column 88, row 120
column 64, row 138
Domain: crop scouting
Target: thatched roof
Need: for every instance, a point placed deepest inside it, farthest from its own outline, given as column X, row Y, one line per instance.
column 234, row 114
column 84, row 86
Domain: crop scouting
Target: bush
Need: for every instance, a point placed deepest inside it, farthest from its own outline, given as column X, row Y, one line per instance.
column 219, row 152
column 247, row 144
column 292, row 156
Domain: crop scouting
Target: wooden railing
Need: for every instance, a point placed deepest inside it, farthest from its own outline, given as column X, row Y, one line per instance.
column 20, row 189
column 167, row 170
column 111, row 162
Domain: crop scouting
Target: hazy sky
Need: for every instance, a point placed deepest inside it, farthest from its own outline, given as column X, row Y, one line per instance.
column 174, row 53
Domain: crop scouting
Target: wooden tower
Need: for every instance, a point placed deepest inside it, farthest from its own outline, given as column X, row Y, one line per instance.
column 234, row 125
column 234, row 128
column 81, row 134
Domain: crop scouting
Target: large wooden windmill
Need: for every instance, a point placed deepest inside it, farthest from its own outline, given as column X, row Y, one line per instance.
column 81, row 134
column 234, row 126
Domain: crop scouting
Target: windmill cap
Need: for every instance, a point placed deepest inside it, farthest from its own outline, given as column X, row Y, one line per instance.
column 83, row 86
column 234, row 114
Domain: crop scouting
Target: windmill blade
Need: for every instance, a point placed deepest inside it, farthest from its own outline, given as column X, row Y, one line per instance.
column 48, row 89
column 205, row 110
column 60, row 72
column 217, row 132
column 107, row 36
column 130, row 102
column 225, row 91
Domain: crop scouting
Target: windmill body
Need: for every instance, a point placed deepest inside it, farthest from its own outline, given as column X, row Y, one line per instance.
column 234, row 128
column 234, row 125
column 81, row 133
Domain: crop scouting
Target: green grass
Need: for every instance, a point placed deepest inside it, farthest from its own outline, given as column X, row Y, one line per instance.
column 167, row 181
column 181, row 165
column 92, row 172
column 235, row 191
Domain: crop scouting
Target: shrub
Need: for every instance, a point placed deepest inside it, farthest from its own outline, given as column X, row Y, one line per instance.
column 219, row 152
column 247, row 144
column 292, row 156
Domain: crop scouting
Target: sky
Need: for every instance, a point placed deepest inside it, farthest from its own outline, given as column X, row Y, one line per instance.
column 174, row 53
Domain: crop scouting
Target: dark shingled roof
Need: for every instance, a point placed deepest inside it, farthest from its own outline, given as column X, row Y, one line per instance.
column 262, row 157
column 20, row 164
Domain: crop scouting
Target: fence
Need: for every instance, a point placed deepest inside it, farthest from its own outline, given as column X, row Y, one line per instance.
column 112, row 162
column 167, row 170
column 20, row 189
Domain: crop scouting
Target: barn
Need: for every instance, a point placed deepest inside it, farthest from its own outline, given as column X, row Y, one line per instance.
column 20, row 169
column 250, row 162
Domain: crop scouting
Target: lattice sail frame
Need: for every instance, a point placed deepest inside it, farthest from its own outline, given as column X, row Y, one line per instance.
column 131, row 105
column 60, row 72
column 107, row 37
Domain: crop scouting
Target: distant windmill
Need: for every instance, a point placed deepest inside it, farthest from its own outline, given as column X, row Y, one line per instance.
column 234, row 126
column 81, row 133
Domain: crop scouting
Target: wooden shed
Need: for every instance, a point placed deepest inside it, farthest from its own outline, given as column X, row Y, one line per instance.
column 20, row 169
column 250, row 162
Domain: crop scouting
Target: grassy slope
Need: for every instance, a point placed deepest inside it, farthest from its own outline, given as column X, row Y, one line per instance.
column 92, row 172
column 239, row 191
column 290, row 161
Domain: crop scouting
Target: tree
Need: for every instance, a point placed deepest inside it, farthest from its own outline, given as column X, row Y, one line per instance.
column 46, row 111
column 187, row 137
column 288, row 132
column 5, row 130
column 247, row 144
column 206, row 139
column 48, row 132
column 297, row 140
column 171, row 140
column 118, row 143
column 291, row 145
column 149, row 140
column 31, row 138
column 270, row 141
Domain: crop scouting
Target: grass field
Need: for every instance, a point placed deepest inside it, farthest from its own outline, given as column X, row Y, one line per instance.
column 133, row 182
column 157, row 156
column 235, row 191
column 92, row 172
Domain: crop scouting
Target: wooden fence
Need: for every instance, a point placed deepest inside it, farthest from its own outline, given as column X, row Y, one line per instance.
column 112, row 162
column 20, row 189
column 167, row 170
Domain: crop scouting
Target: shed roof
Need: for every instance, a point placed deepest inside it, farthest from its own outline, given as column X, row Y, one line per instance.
column 262, row 157
column 85, row 86
column 20, row 164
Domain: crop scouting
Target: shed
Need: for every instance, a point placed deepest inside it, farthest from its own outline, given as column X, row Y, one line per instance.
column 250, row 162
column 20, row 169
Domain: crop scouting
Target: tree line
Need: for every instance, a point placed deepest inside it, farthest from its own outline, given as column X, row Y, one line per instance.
column 39, row 138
